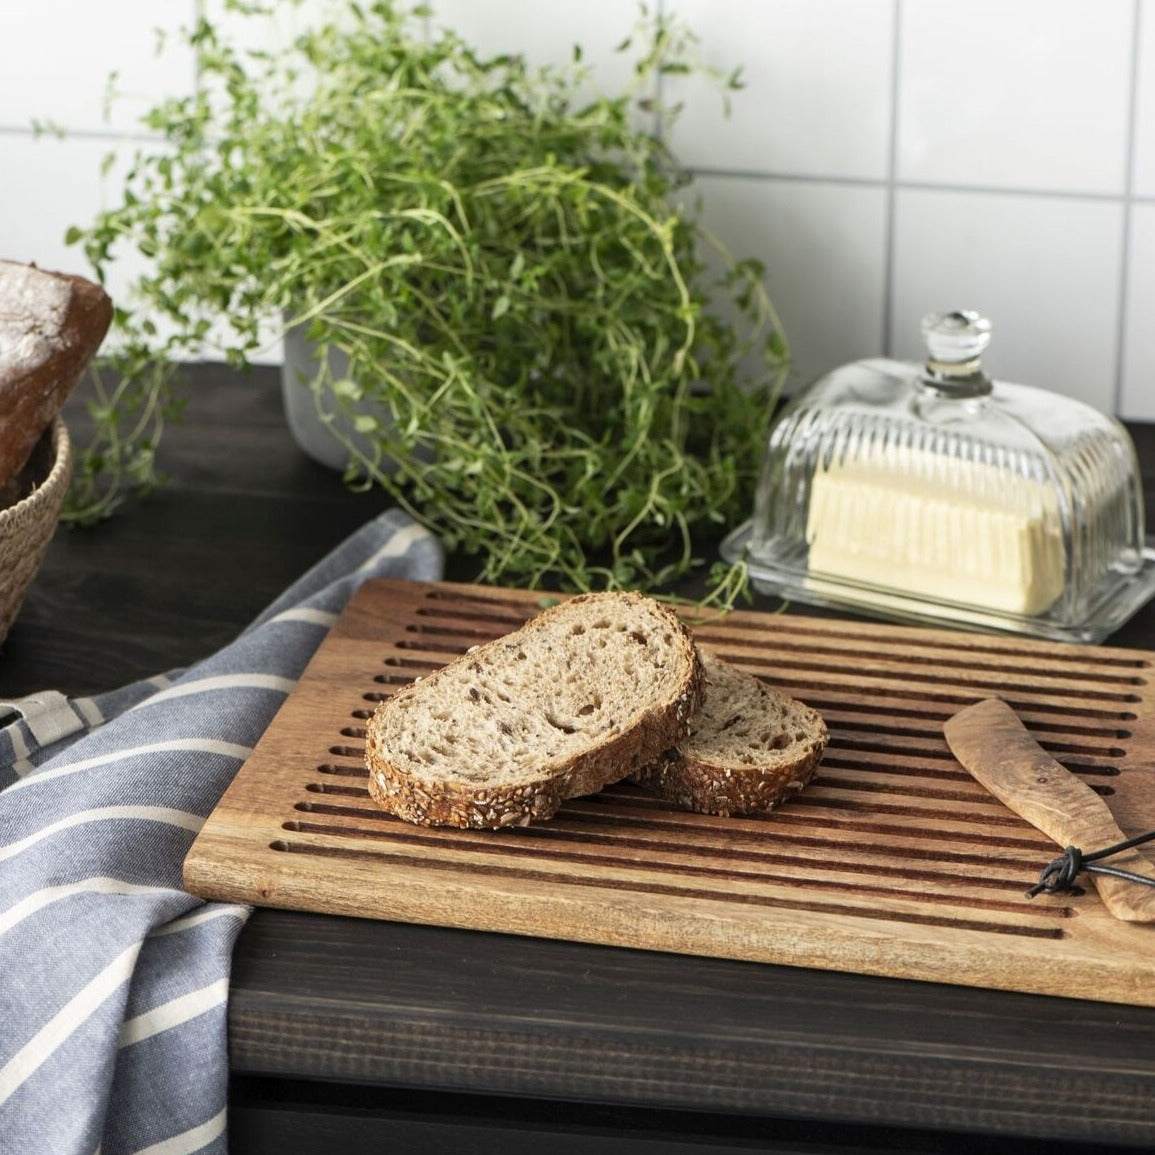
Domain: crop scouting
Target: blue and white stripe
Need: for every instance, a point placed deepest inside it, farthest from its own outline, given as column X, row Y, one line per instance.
column 113, row 980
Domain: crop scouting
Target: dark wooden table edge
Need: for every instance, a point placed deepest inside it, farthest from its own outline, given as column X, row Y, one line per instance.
column 761, row 1074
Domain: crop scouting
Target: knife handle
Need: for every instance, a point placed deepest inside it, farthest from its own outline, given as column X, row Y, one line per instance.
column 990, row 740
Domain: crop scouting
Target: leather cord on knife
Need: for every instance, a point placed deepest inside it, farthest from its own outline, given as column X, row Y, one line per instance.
column 1060, row 875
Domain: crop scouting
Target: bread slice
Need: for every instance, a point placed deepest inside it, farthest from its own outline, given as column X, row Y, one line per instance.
column 750, row 747
column 579, row 697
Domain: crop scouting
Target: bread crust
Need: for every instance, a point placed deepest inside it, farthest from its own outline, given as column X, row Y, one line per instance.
column 51, row 325
column 653, row 726
column 695, row 775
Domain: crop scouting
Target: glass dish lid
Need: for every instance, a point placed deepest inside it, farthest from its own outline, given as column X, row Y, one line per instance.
column 932, row 493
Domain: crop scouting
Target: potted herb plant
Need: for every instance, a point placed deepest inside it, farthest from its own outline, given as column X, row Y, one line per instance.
column 505, row 285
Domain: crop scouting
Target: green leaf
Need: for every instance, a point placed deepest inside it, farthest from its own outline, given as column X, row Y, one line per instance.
column 347, row 389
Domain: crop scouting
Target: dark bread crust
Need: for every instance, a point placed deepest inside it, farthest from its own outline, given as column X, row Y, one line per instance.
column 59, row 320
column 699, row 776
column 654, row 726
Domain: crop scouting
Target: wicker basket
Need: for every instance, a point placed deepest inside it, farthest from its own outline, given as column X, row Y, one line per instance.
column 28, row 523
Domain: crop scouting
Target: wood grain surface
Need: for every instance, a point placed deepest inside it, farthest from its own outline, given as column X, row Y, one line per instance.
column 894, row 861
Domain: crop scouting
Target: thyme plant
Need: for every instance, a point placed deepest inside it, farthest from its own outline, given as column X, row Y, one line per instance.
column 513, row 269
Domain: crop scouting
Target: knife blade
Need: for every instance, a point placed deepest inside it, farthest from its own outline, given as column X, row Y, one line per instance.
column 990, row 740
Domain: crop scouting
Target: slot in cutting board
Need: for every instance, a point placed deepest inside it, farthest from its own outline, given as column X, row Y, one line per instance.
column 893, row 861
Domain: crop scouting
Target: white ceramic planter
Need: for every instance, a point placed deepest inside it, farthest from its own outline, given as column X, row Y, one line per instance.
column 314, row 436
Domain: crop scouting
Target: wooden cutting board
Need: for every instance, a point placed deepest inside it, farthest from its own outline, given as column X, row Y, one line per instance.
column 893, row 861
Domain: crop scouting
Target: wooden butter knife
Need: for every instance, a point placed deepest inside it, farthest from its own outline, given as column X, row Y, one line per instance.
column 990, row 740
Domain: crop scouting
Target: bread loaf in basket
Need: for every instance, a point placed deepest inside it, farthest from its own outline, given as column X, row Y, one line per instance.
column 51, row 325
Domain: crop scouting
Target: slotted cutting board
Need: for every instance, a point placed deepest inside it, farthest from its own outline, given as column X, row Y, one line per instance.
column 893, row 861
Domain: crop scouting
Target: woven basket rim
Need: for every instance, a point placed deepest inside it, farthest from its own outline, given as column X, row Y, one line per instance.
column 48, row 489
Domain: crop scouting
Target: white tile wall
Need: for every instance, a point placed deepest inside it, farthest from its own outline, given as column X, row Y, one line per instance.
column 1053, row 306
column 886, row 158
column 1143, row 183
column 1139, row 339
column 545, row 34
column 1032, row 94
column 822, row 245
column 832, row 58
column 90, row 42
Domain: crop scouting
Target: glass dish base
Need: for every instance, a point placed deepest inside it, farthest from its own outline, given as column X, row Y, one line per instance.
column 1120, row 602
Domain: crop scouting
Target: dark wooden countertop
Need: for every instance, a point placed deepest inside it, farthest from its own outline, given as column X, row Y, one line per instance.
column 364, row 1033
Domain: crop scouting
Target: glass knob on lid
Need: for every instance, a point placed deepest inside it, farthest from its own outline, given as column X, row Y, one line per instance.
column 954, row 344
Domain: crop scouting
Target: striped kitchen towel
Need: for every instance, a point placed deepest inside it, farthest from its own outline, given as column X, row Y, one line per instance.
column 113, row 981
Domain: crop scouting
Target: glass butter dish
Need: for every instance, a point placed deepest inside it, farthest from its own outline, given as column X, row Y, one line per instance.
column 933, row 494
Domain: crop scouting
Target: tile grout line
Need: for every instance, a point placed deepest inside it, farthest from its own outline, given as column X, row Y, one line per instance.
column 659, row 81
column 1128, row 208
column 198, row 14
column 770, row 176
column 891, row 182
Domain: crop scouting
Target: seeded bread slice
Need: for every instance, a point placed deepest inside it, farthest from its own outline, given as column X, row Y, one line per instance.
column 750, row 747
column 579, row 697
